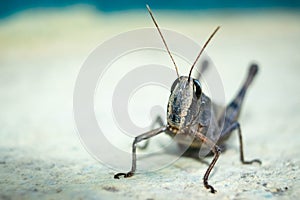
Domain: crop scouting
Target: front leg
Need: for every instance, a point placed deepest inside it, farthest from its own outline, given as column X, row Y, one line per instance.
column 137, row 139
column 216, row 150
column 158, row 120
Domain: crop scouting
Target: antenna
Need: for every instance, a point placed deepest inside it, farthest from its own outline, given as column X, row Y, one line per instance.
column 162, row 37
column 211, row 36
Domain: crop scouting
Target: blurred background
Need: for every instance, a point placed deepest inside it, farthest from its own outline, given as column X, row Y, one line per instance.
column 11, row 7
column 43, row 45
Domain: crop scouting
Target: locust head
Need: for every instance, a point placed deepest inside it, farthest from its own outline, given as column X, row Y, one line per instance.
column 183, row 105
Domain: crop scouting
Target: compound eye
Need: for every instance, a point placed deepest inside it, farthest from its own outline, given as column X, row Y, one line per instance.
column 197, row 88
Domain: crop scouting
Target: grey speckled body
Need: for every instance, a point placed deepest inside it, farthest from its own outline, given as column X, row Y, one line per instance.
column 190, row 116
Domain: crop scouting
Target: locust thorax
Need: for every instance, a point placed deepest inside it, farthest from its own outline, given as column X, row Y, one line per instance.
column 183, row 106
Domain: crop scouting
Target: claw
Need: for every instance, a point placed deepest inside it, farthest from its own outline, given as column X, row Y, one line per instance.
column 257, row 161
column 252, row 161
column 116, row 176
column 212, row 189
column 126, row 175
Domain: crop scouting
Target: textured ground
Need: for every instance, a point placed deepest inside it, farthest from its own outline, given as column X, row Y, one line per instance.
column 41, row 155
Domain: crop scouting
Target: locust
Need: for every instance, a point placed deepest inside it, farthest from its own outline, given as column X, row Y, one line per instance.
column 190, row 115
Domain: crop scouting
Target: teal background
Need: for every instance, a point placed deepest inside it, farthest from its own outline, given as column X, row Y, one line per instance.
column 13, row 6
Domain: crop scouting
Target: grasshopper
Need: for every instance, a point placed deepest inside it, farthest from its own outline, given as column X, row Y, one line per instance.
column 189, row 114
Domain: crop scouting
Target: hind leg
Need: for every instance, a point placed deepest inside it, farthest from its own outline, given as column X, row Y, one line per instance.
column 201, row 69
column 232, row 111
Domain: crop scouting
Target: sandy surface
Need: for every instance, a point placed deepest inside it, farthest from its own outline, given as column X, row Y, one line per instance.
column 41, row 155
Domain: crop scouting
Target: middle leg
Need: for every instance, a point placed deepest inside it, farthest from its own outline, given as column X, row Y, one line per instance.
column 228, row 131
